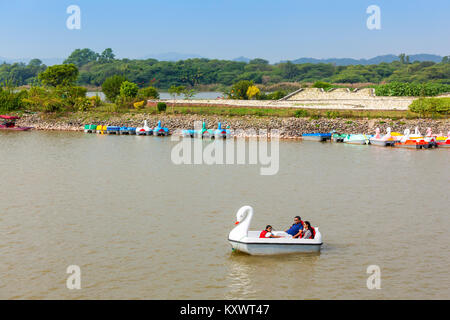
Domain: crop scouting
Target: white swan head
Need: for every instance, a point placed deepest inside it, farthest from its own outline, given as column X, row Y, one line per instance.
column 243, row 219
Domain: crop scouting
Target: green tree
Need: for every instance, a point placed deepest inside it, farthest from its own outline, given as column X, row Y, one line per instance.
column 59, row 75
column 80, row 57
column 176, row 91
column 149, row 93
column 129, row 89
column 106, row 56
column 111, row 87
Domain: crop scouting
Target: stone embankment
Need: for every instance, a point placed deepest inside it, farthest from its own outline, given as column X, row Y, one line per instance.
column 312, row 98
column 289, row 128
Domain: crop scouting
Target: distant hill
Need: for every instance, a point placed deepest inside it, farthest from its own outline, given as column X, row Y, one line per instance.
column 46, row 61
column 242, row 59
column 171, row 56
column 376, row 60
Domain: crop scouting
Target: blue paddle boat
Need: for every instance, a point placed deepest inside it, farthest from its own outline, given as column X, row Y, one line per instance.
column 127, row 130
column 160, row 131
column 317, row 136
column 113, row 130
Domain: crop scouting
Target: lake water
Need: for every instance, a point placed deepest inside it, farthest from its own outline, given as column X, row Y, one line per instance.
column 141, row 227
column 165, row 95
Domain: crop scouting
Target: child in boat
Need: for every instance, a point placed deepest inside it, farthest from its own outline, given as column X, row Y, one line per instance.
column 307, row 231
column 267, row 233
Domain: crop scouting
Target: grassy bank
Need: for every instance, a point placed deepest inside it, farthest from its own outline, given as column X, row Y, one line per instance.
column 229, row 111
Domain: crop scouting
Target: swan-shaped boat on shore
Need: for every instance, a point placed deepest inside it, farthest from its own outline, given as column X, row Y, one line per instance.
column 408, row 142
column 221, row 133
column 241, row 239
column 202, row 133
column 385, row 141
column 159, row 130
column 443, row 142
column 145, row 130
column 430, row 138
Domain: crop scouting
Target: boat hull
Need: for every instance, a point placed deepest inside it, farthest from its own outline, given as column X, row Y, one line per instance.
column 382, row 143
column 273, row 249
column 16, row 128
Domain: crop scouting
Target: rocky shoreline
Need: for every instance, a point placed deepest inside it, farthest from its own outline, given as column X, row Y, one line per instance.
column 289, row 128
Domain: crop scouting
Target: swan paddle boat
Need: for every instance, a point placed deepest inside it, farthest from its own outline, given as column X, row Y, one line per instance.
column 9, row 123
column 202, row 133
column 145, row 130
column 90, row 128
column 385, row 141
column 221, row 133
column 430, row 138
column 441, row 143
column 321, row 137
column 357, row 139
column 408, row 142
column 241, row 239
column 160, row 131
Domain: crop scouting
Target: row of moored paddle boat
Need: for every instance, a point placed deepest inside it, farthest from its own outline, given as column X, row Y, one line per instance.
column 390, row 139
column 145, row 130
column 159, row 130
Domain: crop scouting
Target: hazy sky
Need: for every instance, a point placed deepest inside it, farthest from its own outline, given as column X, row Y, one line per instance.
column 275, row 29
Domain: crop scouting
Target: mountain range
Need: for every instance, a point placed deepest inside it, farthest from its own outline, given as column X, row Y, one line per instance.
column 175, row 56
column 376, row 60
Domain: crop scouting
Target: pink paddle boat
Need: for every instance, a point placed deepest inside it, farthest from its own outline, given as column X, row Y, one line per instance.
column 431, row 138
column 385, row 141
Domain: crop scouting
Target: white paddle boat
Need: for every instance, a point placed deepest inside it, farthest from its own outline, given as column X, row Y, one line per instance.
column 241, row 239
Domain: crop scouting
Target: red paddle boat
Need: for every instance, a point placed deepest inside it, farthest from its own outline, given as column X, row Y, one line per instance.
column 9, row 123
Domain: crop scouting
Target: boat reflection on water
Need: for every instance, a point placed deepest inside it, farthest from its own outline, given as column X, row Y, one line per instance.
column 250, row 277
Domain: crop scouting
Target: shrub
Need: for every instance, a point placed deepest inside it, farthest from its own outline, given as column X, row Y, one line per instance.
column 95, row 101
column 239, row 90
column 411, row 89
column 111, row 87
column 301, row 113
column 426, row 106
column 149, row 93
column 129, row 89
column 40, row 99
column 322, row 84
column 83, row 104
column 161, row 106
column 10, row 100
